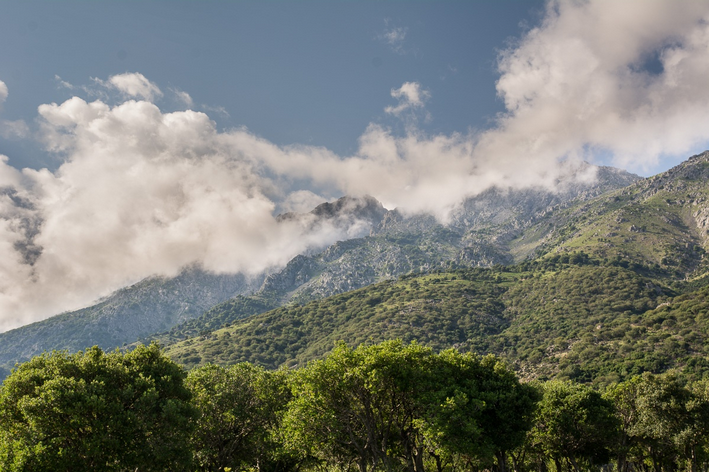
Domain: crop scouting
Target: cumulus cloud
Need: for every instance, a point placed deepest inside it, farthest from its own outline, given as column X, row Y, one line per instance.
column 410, row 96
column 133, row 84
column 141, row 192
column 626, row 78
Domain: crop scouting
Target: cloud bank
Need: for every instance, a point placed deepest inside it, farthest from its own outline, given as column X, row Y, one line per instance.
column 143, row 192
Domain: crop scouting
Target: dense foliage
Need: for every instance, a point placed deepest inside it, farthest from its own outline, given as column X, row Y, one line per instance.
column 440, row 310
column 383, row 407
column 565, row 317
column 95, row 411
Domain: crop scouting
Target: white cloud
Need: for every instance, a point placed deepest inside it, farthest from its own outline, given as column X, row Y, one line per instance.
column 219, row 110
column 300, row 201
column 578, row 81
column 133, row 84
column 183, row 97
column 11, row 129
column 141, row 192
column 144, row 192
column 410, row 96
column 63, row 83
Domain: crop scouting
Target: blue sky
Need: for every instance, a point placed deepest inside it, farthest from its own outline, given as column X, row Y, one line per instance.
column 293, row 72
column 138, row 138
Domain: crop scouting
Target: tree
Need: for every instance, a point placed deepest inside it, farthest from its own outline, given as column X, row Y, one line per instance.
column 476, row 408
column 392, row 406
column 662, row 421
column 357, row 406
column 239, row 409
column 575, row 426
column 96, row 411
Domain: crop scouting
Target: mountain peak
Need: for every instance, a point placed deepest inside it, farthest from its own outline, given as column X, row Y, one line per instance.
column 366, row 207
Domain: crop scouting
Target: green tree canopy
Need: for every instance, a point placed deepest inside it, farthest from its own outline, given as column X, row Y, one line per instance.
column 575, row 426
column 239, row 409
column 663, row 422
column 96, row 411
column 393, row 405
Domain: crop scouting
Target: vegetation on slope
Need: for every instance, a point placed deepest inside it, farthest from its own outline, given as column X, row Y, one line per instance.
column 568, row 317
column 440, row 310
column 661, row 223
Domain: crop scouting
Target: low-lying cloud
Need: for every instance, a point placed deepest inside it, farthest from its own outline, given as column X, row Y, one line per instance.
column 143, row 192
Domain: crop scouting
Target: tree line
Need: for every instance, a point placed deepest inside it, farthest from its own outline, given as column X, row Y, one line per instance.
column 383, row 407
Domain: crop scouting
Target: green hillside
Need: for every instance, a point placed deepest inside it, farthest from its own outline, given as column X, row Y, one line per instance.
column 660, row 222
column 617, row 288
column 562, row 317
column 439, row 309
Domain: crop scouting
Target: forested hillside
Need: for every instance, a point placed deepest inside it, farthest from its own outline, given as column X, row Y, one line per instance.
column 590, row 355
column 568, row 317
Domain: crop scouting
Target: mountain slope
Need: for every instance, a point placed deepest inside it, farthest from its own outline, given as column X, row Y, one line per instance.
column 383, row 244
column 661, row 222
column 481, row 233
column 582, row 319
column 152, row 305
column 157, row 304
column 620, row 289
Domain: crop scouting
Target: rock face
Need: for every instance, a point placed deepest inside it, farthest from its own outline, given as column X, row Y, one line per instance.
column 481, row 232
column 659, row 222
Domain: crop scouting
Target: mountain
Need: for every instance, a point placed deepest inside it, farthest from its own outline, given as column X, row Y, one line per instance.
column 483, row 232
column 618, row 287
column 584, row 319
column 152, row 305
column 568, row 317
column 661, row 223
column 382, row 244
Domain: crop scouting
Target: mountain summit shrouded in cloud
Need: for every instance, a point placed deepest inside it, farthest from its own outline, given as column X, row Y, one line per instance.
column 141, row 191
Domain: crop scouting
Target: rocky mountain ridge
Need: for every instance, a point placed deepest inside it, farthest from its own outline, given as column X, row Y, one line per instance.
column 384, row 244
